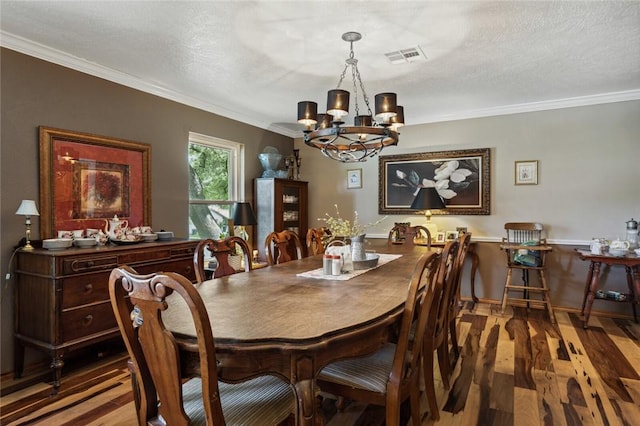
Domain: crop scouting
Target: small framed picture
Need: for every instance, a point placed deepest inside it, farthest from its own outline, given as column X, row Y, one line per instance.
column 527, row 172
column 451, row 235
column 440, row 237
column 354, row 178
column 461, row 230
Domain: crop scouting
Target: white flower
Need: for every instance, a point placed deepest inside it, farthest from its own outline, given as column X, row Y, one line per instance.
column 442, row 186
column 450, row 170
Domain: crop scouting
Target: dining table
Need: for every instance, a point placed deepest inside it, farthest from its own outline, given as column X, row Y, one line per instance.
column 290, row 320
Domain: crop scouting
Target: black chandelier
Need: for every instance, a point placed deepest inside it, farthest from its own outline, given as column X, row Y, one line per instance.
column 368, row 136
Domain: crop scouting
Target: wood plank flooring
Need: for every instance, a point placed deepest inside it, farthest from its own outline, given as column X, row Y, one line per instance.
column 516, row 369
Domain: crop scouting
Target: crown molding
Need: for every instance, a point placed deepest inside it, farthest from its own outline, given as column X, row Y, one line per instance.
column 58, row 57
column 578, row 101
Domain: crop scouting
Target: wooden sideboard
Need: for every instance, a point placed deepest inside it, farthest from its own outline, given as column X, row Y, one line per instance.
column 62, row 297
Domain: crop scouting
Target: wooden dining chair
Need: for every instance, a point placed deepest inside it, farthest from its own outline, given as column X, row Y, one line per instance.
column 409, row 234
column 220, row 250
column 283, row 246
column 526, row 251
column 161, row 393
column 391, row 375
column 316, row 238
column 435, row 339
column 464, row 241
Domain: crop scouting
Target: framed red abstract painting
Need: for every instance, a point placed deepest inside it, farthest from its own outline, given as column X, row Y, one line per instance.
column 85, row 179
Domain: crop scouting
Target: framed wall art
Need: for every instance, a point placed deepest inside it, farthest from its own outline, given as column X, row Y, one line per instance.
column 85, row 179
column 354, row 178
column 527, row 172
column 462, row 179
column 451, row 235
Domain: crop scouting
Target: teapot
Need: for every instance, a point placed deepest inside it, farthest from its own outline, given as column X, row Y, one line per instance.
column 115, row 227
column 619, row 245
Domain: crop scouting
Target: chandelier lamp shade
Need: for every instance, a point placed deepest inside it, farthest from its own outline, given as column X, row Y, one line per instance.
column 370, row 132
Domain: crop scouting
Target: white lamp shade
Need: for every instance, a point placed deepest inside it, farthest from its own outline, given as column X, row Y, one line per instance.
column 28, row 208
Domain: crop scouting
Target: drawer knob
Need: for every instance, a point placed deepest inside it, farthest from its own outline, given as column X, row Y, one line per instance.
column 87, row 320
column 88, row 288
column 90, row 263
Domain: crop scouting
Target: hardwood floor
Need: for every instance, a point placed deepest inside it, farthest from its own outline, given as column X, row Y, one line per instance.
column 516, row 369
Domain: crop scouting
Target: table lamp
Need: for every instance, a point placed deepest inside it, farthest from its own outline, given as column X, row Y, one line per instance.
column 242, row 216
column 27, row 209
column 427, row 199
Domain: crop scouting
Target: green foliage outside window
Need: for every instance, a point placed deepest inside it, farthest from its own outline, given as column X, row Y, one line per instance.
column 208, row 181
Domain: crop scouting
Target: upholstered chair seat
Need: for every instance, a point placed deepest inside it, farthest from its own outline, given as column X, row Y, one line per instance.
column 265, row 400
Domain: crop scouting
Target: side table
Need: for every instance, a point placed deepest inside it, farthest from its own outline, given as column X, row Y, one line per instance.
column 631, row 263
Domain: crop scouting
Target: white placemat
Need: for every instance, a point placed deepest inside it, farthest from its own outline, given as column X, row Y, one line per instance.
column 317, row 273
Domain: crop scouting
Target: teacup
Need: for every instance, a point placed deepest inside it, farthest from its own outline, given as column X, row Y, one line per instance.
column 91, row 232
column 65, row 234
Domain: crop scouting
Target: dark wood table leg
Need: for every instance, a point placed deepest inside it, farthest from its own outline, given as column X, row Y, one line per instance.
column 586, row 287
column 475, row 261
column 633, row 274
column 591, row 288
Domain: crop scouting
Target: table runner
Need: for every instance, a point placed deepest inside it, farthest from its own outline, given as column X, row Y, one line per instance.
column 317, row 273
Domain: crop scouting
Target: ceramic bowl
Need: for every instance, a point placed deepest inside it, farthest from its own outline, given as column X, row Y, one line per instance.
column 149, row 237
column 164, row 235
column 85, row 242
column 370, row 262
column 57, row 243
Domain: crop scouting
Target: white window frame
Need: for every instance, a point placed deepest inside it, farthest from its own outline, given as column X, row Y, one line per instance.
column 236, row 166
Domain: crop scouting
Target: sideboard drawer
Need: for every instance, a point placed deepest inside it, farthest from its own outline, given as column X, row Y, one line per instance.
column 85, row 289
column 87, row 264
column 77, row 323
column 183, row 267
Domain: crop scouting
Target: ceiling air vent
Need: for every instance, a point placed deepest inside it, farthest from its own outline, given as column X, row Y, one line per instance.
column 412, row 54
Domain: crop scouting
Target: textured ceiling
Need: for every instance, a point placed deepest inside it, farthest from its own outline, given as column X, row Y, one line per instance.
column 253, row 61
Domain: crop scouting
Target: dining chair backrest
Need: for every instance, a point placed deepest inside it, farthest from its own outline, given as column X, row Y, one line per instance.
column 316, row 238
column 391, row 375
column 435, row 338
column 421, row 300
column 454, row 299
column 161, row 394
column 221, row 250
column 409, row 234
column 283, row 246
column 153, row 349
column 446, row 279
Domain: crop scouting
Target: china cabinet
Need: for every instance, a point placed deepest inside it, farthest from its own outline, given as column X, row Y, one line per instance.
column 62, row 296
column 280, row 204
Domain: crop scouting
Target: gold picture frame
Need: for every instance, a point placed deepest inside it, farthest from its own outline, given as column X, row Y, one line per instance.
column 85, row 179
column 526, row 172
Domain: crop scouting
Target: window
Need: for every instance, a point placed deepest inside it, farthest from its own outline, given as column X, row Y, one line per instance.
column 216, row 182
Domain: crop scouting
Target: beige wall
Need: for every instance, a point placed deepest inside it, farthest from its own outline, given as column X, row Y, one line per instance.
column 588, row 165
column 36, row 93
column 588, row 187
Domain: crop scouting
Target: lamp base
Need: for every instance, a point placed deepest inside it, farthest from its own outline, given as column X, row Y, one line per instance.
column 433, row 229
column 27, row 247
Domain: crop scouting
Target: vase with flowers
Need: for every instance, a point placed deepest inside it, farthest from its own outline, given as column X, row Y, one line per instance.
column 351, row 229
